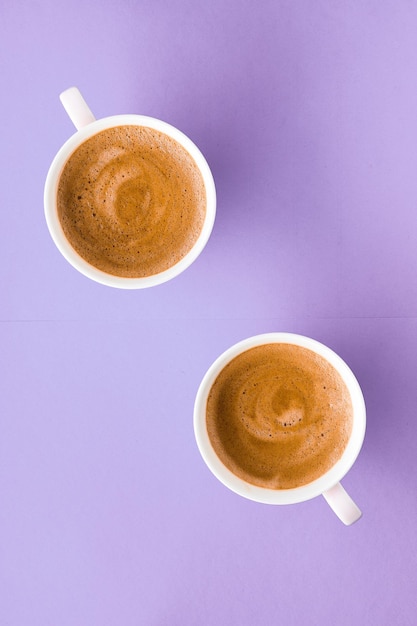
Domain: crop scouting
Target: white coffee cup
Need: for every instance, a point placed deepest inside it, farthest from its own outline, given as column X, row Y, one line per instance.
column 87, row 126
column 328, row 484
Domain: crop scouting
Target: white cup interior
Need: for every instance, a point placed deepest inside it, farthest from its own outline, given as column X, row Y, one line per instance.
column 54, row 225
column 281, row 496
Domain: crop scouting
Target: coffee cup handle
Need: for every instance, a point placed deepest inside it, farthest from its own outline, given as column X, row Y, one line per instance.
column 342, row 504
column 76, row 107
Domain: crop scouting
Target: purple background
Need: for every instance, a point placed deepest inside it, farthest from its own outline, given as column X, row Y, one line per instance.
column 307, row 114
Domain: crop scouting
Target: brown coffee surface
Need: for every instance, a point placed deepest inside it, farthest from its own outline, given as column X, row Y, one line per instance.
column 279, row 416
column 131, row 201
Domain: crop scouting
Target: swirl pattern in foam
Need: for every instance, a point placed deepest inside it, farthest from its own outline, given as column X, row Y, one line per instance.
column 131, row 201
column 279, row 416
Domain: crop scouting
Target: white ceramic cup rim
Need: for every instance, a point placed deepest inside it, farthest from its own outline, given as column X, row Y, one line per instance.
column 54, row 225
column 284, row 496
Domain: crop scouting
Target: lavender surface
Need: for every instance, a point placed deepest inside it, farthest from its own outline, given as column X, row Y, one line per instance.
column 307, row 115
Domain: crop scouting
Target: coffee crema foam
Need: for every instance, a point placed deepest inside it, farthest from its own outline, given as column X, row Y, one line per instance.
column 279, row 416
column 131, row 201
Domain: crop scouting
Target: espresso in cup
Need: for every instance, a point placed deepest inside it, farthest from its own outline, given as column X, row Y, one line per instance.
column 131, row 201
column 279, row 416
